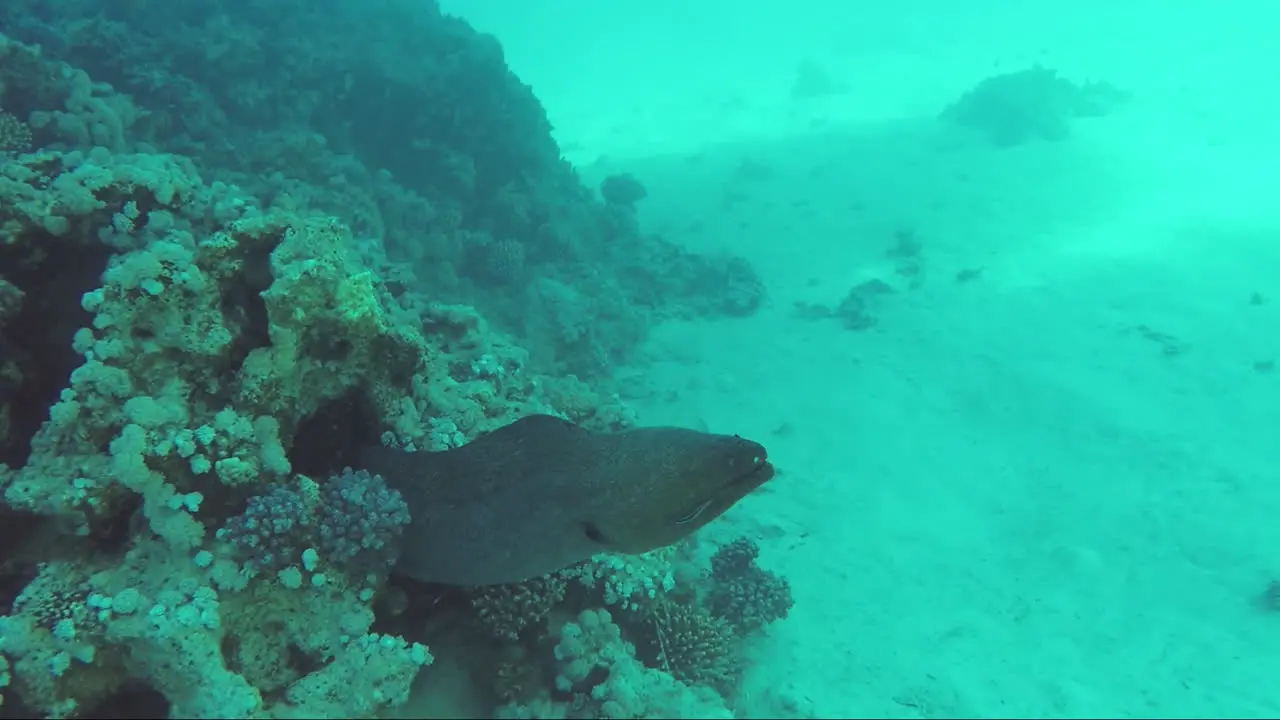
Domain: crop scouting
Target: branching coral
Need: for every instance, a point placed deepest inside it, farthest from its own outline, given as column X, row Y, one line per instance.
column 506, row 611
column 693, row 645
column 743, row 593
column 352, row 521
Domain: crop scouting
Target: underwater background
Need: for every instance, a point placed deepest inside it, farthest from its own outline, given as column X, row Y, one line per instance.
column 994, row 284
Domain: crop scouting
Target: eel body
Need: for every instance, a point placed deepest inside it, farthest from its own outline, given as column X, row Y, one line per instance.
column 541, row 494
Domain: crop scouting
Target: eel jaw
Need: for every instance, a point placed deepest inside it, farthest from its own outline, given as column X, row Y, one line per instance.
column 760, row 474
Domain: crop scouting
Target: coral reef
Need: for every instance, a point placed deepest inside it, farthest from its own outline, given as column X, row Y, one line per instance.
column 219, row 276
column 1034, row 104
column 428, row 142
column 622, row 190
column 192, row 369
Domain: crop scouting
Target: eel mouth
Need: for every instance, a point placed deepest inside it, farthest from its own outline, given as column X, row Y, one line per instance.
column 761, row 473
column 732, row 491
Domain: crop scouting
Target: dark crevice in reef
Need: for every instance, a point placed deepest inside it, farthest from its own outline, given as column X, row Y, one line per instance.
column 14, row 709
column 110, row 531
column 15, row 570
column 243, row 306
column 330, row 439
column 36, row 355
column 416, row 610
column 135, row 700
column 302, row 662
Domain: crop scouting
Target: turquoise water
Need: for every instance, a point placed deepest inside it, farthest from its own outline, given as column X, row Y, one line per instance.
column 992, row 291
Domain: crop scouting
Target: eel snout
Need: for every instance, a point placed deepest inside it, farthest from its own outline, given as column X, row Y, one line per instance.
column 758, row 471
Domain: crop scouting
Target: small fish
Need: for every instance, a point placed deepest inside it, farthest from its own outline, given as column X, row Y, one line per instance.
column 541, row 494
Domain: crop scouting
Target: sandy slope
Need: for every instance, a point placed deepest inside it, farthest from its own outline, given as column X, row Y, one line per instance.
column 1051, row 491
column 1006, row 498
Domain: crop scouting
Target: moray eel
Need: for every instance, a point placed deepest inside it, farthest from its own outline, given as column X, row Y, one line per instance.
column 542, row 494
